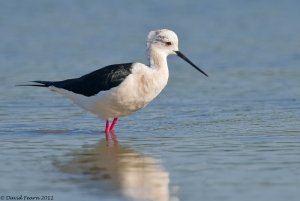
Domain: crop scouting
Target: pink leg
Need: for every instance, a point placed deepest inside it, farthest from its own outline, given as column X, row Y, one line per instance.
column 113, row 124
column 107, row 128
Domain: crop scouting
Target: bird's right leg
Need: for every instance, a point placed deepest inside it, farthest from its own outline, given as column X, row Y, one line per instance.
column 112, row 126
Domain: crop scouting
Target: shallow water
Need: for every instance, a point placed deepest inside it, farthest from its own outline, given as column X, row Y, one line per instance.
column 232, row 136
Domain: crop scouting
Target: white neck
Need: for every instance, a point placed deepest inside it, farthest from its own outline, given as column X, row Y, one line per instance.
column 157, row 58
column 159, row 66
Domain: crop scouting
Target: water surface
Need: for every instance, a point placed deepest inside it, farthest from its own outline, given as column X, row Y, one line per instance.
column 232, row 136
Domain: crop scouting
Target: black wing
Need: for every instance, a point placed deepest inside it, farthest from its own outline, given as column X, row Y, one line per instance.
column 94, row 82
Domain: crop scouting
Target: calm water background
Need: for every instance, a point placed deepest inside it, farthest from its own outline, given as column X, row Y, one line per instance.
column 232, row 136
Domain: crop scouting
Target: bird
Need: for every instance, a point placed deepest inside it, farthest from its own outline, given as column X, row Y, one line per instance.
column 119, row 90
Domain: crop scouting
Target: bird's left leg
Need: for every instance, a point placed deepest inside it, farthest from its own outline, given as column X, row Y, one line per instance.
column 107, row 127
column 113, row 124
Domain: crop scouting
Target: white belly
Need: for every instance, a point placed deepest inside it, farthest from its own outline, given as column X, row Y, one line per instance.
column 131, row 95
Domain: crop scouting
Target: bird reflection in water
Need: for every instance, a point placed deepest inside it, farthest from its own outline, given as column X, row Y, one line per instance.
column 111, row 136
column 136, row 176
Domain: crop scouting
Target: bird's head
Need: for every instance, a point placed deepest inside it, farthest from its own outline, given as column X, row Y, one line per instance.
column 166, row 42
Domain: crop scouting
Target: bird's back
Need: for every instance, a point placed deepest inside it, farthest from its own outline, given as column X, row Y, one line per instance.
column 91, row 84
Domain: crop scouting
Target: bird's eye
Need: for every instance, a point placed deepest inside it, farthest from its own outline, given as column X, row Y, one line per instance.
column 168, row 43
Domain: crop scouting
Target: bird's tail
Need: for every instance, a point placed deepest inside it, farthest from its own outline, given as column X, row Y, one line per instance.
column 38, row 84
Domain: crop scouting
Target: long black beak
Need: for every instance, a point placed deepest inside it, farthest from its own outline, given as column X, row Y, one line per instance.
column 189, row 61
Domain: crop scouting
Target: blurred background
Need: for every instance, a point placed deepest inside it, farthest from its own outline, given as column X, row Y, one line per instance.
column 232, row 136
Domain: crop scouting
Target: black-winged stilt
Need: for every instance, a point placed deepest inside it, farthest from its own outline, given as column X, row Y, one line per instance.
column 120, row 89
